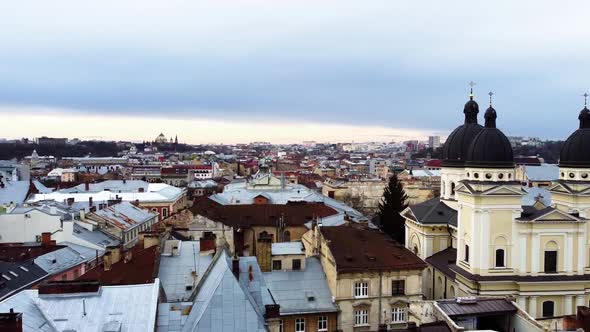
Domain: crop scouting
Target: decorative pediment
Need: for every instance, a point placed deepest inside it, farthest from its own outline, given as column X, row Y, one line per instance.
column 399, row 302
column 464, row 188
column 557, row 216
column 357, row 304
column 560, row 188
column 409, row 214
column 503, row 190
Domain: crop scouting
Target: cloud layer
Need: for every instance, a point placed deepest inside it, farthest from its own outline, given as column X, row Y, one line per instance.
column 388, row 64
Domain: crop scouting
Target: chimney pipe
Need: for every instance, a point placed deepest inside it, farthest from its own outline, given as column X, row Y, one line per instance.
column 46, row 239
column 235, row 267
column 86, row 186
column 11, row 321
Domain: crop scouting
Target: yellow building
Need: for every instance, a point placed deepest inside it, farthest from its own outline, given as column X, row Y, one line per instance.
column 479, row 239
column 374, row 281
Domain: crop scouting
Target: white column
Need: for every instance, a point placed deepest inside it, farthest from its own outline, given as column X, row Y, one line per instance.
column 569, row 253
column 568, row 304
column 408, row 244
column 484, row 244
column 581, row 251
column 429, row 246
column 533, row 306
column 580, row 301
column 535, row 259
column 521, row 301
column 475, row 245
column 517, row 253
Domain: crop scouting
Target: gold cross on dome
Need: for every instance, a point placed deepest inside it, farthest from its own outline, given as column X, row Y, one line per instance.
column 490, row 94
column 585, row 95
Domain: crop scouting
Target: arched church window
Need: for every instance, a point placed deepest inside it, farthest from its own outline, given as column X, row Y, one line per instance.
column 287, row 236
column 453, row 188
column 550, row 257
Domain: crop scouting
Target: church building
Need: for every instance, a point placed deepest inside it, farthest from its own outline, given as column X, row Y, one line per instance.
column 482, row 237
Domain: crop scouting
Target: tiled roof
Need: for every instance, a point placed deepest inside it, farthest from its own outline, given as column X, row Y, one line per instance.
column 295, row 214
column 140, row 270
column 114, row 308
column 482, row 306
column 442, row 259
column 124, row 215
column 16, row 276
column 304, row 291
column 434, row 211
column 356, row 249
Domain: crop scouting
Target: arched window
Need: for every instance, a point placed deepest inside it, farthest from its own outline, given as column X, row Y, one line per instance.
column 440, row 287
column 453, row 189
column 287, row 236
column 548, row 309
column 416, row 250
column 443, row 188
column 451, row 292
column 500, row 258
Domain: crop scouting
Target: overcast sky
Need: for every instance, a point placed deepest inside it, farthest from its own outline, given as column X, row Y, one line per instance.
column 324, row 70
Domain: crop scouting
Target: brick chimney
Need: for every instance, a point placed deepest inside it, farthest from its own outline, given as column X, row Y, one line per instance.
column 90, row 201
column 11, row 321
column 87, row 186
column 112, row 256
column 272, row 311
column 46, row 239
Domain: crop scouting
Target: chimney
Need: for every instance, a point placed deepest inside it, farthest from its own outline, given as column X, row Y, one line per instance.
column 11, row 321
column 235, row 267
column 124, row 181
column 106, row 261
column 46, row 239
column 272, row 311
column 82, row 214
column 128, row 256
column 90, row 201
column 136, row 202
column 115, row 255
column 70, row 201
column 141, row 189
column 86, row 186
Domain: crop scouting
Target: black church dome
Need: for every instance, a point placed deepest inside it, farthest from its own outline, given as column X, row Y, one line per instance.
column 455, row 149
column 575, row 152
column 490, row 148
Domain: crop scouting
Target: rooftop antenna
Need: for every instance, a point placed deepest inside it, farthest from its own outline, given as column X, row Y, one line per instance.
column 585, row 95
column 471, row 84
column 490, row 94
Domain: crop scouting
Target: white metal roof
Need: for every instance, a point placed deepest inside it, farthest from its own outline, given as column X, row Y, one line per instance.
column 287, row 248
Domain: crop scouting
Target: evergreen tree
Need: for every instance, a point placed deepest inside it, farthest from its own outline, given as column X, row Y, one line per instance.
column 394, row 202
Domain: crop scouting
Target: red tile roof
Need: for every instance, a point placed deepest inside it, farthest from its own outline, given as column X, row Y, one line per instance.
column 18, row 252
column 140, row 270
column 295, row 213
column 357, row 248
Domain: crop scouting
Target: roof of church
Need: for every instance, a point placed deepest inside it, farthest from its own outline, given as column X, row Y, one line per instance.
column 575, row 152
column 490, row 148
column 455, row 149
column 434, row 211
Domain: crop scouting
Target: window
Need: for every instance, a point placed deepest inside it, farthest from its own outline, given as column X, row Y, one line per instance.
column 300, row 325
column 287, row 236
column 164, row 212
column 398, row 315
column 467, row 253
column 276, row 265
column 361, row 317
column 398, row 287
column 296, row 264
column 500, row 258
column 550, row 261
column 281, row 326
column 548, row 309
column 361, row 289
column 322, row 323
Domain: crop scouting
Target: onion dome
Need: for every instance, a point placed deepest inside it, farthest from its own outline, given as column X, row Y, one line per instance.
column 490, row 148
column 455, row 149
column 575, row 152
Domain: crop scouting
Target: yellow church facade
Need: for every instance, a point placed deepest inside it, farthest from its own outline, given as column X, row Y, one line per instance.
column 485, row 236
